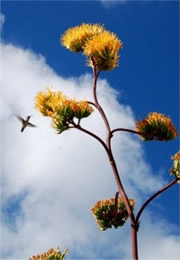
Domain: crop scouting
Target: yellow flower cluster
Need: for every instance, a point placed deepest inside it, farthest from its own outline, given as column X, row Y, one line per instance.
column 51, row 254
column 176, row 165
column 156, row 126
column 47, row 102
column 107, row 216
column 75, row 38
column 176, row 156
column 99, row 45
column 61, row 109
column 107, row 202
column 103, row 50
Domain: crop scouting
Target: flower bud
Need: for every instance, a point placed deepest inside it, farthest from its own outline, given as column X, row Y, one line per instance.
column 107, row 215
column 156, row 126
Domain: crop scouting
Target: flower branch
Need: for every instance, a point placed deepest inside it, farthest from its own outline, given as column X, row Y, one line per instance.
column 153, row 197
column 130, row 131
column 76, row 126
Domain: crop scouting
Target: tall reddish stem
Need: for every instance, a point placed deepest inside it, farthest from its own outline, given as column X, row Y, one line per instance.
column 115, row 170
column 108, row 149
column 134, row 242
column 96, row 74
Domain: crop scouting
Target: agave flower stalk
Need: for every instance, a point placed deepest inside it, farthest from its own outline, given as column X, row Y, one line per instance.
column 101, row 49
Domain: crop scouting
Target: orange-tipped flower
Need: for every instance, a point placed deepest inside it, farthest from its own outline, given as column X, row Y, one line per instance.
column 102, row 51
column 51, row 254
column 107, row 215
column 176, row 165
column 156, row 127
column 75, row 38
column 61, row 109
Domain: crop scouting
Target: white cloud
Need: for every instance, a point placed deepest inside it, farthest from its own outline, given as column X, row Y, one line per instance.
column 111, row 3
column 156, row 240
column 2, row 20
column 58, row 178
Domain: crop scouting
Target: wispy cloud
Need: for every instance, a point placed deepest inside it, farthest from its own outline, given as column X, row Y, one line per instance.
column 112, row 3
column 2, row 20
column 58, row 178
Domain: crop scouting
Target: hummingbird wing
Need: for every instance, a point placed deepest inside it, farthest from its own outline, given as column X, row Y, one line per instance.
column 31, row 125
column 20, row 119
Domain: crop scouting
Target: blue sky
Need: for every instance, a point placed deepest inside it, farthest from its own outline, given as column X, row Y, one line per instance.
column 147, row 80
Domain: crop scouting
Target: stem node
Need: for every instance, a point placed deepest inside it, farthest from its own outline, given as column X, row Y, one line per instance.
column 135, row 226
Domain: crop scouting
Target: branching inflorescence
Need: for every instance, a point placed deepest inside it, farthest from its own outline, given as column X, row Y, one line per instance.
column 101, row 48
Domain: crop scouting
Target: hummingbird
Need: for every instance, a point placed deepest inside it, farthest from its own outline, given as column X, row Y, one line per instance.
column 25, row 123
